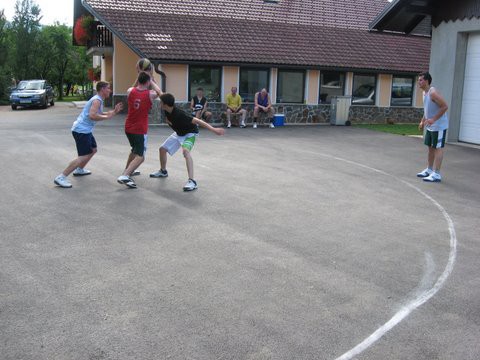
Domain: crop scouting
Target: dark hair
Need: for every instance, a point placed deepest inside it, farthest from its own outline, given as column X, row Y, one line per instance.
column 143, row 78
column 199, row 89
column 426, row 76
column 168, row 99
column 101, row 85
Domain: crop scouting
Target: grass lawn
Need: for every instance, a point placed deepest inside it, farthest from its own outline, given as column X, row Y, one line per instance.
column 72, row 98
column 399, row 129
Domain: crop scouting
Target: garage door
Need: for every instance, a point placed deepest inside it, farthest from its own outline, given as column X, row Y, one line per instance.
column 470, row 120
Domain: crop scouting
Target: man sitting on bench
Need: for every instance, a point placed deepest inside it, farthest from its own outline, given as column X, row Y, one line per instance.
column 234, row 106
column 263, row 104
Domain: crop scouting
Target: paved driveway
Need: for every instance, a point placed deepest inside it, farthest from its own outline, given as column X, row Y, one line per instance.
column 300, row 243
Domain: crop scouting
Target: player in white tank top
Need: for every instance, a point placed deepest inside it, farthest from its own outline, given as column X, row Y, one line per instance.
column 435, row 122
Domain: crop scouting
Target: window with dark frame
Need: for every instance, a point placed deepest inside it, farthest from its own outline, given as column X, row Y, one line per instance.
column 402, row 91
column 332, row 83
column 253, row 80
column 364, row 89
column 207, row 77
column 290, row 86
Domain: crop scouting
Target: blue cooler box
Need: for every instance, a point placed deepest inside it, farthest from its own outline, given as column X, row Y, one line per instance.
column 278, row 119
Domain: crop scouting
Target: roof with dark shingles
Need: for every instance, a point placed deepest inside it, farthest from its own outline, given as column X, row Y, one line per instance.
column 329, row 33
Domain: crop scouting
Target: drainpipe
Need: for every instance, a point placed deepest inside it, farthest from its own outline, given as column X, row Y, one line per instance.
column 162, row 75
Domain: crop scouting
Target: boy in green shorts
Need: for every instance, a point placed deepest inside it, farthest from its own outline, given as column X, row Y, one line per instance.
column 185, row 128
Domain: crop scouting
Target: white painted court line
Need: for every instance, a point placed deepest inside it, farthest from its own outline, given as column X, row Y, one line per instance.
column 425, row 295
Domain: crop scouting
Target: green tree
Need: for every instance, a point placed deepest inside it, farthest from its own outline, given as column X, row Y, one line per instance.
column 59, row 39
column 25, row 33
column 5, row 73
column 76, row 73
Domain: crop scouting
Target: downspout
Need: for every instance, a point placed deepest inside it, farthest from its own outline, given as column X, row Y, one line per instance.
column 162, row 75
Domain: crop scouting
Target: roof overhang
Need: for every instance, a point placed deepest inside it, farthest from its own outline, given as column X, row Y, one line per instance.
column 92, row 11
column 403, row 16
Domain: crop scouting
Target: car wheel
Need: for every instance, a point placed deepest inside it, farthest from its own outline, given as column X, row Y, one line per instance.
column 52, row 103
column 45, row 104
column 14, row 107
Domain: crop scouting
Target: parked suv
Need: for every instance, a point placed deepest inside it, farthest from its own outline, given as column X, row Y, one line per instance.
column 32, row 93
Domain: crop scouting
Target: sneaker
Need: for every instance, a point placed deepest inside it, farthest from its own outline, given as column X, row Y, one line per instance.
column 81, row 172
column 125, row 180
column 158, row 174
column 190, row 185
column 272, row 126
column 424, row 173
column 254, row 125
column 229, row 125
column 62, row 181
column 135, row 173
column 242, row 125
column 433, row 177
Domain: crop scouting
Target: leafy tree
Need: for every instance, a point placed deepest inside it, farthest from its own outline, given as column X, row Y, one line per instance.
column 25, row 31
column 5, row 73
column 77, row 70
column 59, row 38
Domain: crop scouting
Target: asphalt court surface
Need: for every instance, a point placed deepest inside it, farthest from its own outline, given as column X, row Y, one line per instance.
column 299, row 243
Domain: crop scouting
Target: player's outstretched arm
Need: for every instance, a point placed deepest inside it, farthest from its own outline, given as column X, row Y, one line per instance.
column 199, row 122
column 95, row 116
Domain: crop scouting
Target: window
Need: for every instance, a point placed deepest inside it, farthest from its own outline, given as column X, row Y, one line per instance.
column 290, row 86
column 251, row 81
column 402, row 91
column 364, row 89
column 332, row 83
column 207, row 77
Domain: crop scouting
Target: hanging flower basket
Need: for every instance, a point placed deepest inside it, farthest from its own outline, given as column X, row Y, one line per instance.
column 94, row 74
column 83, row 29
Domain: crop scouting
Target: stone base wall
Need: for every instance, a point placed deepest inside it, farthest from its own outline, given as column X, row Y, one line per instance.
column 381, row 115
column 300, row 114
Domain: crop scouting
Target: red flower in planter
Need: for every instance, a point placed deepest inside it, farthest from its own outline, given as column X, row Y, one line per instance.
column 82, row 31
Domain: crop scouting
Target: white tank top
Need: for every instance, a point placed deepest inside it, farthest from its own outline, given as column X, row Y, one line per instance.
column 430, row 109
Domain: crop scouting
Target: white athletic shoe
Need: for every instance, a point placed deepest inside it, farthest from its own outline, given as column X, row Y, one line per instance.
column 424, row 173
column 135, row 173
column 127, row 181
column 62, row 181
column 242, row 124
column 229, row 125
column 190, row 185
column 433, row 177
column 158, row 174
column 254, row 125
column 81, row 172
column 272, row 126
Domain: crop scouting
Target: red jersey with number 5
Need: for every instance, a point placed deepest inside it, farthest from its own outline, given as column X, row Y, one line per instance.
column 139, row 104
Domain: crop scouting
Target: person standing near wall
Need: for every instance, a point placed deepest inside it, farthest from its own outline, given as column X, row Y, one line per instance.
column 435, row 122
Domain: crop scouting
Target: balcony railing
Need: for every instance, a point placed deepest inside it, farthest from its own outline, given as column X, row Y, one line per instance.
column 102, row 37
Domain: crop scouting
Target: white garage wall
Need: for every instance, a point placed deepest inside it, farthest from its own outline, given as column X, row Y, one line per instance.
column 470, row 115
column 447, row 66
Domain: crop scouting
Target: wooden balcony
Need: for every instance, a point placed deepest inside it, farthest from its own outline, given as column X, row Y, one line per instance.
column 101, row 42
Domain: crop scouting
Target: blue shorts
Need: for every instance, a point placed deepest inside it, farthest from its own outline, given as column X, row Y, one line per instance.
column 85, row 143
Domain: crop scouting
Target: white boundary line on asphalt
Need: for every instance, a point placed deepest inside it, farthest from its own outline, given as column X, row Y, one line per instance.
column 424, row 296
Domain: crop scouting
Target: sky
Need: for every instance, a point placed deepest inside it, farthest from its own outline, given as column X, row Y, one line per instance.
column 51, row 10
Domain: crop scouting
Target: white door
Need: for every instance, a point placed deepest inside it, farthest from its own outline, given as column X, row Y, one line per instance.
column 470, row 120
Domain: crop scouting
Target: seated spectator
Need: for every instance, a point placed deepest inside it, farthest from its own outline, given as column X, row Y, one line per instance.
column 234, row 106
column 199, row 106
column 263, row 104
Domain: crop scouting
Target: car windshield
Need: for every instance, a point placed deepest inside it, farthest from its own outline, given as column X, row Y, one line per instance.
column 30, row 85
column 363, row 91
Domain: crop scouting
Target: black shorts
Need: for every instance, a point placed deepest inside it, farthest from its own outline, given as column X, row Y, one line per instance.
column 435, row 139
column 85, row 143
column 138, row 142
